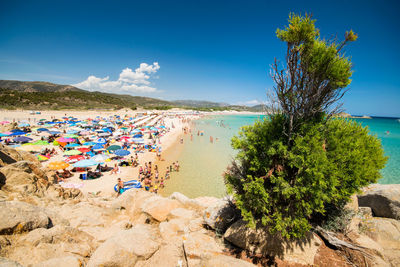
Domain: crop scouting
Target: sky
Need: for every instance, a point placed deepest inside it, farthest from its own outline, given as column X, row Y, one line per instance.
column 202, row 50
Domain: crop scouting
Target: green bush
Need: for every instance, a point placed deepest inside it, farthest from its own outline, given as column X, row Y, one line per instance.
column 289, row 188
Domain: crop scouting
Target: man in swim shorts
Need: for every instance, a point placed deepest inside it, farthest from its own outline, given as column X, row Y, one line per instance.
column 120, row 187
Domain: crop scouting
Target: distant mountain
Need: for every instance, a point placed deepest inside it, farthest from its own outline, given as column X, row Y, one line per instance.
column 36, row 86
column 45, row 95
column 199, row 103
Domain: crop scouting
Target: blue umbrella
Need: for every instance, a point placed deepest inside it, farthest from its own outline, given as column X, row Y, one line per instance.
column 85, row 163
column 72, row 145
column 16, row 133
column 1, row 134
column 101, row 141
column 138, row 135
column 22, row 139
column 72, row 132
column 42, row 130
column 97, row 146
column 23, row 124
column 54, row 132
column 122, row 152
column 89, row 143
column 138, row 140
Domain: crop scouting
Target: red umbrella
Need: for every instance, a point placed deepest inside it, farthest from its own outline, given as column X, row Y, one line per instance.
column 84, row 149
column 75, row 158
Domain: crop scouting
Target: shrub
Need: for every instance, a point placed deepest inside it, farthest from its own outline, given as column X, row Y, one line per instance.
column 288, row 187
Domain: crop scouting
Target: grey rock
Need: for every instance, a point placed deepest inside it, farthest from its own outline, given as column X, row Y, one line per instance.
column 221, row 215
column 17, row 217
column 384, row 200
column 4, row 262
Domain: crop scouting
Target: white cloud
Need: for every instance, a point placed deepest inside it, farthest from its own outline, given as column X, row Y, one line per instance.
column 128, row 82
column 250, row 103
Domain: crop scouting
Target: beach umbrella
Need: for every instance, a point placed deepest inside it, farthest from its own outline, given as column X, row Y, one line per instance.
column 97, row 147
column 122, row 152
column 75, row 158
column 100, row 157
column 22, row 139
column 72, row 145
column 138, row 135
column 4, row 122
column 72, row 132
column 84, row 149
column 16, row 133
column 24, row 124
column 42, row 130
column 138, row 140
column 113, row 148
column 85, row 163
column 71, row 136
column 84, row 132
column 104, row 134
column 89, row 143
column 41, row 143
column 101, row 141
column 42, row 157
column 58, row 165
column 54, row 132
column 72, row 152
column 3, row 134
column 65, row 140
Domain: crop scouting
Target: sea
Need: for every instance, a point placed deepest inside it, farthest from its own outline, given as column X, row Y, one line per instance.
column 203, row 163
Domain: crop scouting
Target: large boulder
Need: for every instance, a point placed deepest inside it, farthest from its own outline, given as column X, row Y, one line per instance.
column 9, row 155
column 198, row 245
column 221, row 215
column 384, row 200
column 260, row 241
column 69, row 261
column 17, row 217
column 224, row 261
column 159, row 208
column 126, row 247
column 168, row 255
column 4, row 262
column 385, row 232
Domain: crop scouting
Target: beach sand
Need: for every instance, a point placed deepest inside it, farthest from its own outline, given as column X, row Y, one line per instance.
column 105, row 184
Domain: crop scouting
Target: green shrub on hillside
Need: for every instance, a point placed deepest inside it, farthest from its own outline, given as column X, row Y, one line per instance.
column 287, row 188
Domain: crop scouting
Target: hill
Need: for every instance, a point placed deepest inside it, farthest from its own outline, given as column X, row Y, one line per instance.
column 45, row 95
column 36, row 86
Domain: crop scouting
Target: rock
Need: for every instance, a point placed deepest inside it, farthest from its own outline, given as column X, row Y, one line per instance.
column 159, row 207
column 20, row 217
column 221, row 215
column 4, row 262
column 172, row 229
column 386, row 232
column 384, row 200
column 125, row 247
column 365, row 211
column 206, row 202
column 69, row 261
column 198, row 245
column 224, row 261
column 352, row 204
column 4, row 242
column 9, row 155
column 182, row 213
column 167, row 255
column 260, row 241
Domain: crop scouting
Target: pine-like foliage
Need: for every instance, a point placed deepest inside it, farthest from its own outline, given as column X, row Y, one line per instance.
column 300, row 162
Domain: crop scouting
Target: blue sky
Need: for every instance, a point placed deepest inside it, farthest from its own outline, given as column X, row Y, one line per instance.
column 205, row 50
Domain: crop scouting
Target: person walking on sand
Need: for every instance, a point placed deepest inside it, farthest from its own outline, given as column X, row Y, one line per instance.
column 120, row 187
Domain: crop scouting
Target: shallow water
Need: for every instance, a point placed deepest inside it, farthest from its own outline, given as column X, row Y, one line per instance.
column 203, row 163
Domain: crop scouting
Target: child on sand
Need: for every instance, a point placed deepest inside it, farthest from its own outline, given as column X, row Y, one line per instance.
column 120, row 187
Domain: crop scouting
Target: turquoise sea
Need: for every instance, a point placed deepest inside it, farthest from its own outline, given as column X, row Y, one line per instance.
column 202, row 163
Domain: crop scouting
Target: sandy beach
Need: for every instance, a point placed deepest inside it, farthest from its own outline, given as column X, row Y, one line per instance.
column 104, row 185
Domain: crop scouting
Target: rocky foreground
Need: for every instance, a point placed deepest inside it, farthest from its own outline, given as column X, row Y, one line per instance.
column 43, row 224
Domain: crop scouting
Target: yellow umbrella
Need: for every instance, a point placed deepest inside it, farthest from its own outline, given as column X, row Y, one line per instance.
column 58, row 165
